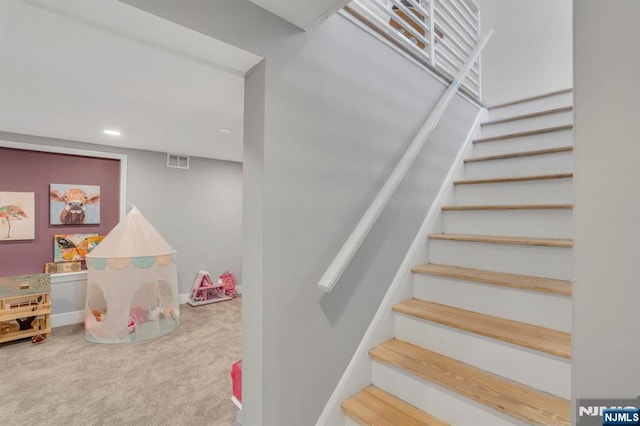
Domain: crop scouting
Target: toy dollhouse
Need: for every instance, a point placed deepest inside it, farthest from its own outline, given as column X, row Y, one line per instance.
column 205, row 291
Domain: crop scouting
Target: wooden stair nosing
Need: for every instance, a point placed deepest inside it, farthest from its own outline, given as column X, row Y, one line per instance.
column 503, row 395
column 544, row 242
column 532, row 98
column 504, row 279
column 542, row 339
column 373, row 406
column 514, row 179
column 520, row 154
column 530, row 115
column 524, row 133
column 509, row 207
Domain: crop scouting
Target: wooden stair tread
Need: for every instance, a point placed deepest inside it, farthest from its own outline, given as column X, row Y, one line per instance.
column 510, row 207
column 373, row 406
column 514, row 179
column 511, row 398
column 525, row 133
column 520, row 154
column 525, row 282
column 531, row 336
column 530, row 115
column 546, row 242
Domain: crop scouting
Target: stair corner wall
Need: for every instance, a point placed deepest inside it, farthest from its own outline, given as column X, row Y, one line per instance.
column 358, row 372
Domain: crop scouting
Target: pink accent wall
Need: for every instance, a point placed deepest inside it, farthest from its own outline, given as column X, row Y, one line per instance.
column 33, row 171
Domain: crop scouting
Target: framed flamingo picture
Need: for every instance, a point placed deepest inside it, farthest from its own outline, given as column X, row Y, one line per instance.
column 17, row 216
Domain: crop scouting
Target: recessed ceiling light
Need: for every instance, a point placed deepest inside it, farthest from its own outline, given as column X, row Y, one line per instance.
column 225, row 130
column 112, row 132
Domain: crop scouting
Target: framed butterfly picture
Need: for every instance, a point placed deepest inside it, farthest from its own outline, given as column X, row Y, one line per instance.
column 67, row 247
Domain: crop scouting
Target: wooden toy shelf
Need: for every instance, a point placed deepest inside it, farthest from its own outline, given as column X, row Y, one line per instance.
column 25, row 307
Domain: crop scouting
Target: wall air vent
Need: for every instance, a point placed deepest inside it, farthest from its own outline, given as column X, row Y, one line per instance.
column 178, row 161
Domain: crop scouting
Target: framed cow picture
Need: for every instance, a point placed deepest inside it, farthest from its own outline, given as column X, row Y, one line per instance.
column 72, row 204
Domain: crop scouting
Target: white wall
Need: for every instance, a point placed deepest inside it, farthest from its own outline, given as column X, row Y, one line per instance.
column 339, row 108
column 606, row 331
column 301, row 13
column 530, row 51
column 198, row 211
column 253, row 245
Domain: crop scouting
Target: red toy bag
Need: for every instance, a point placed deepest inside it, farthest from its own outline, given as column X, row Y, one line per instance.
column 236, row 379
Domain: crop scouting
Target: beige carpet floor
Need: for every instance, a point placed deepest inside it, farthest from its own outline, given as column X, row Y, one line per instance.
column 182, row 378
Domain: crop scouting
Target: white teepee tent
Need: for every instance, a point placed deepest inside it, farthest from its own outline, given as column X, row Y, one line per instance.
column 132, row 288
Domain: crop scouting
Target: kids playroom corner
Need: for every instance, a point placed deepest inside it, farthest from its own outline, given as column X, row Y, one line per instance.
column 117, row 293
column 120, row 218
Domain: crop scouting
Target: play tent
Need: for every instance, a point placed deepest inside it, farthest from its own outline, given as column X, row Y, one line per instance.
column 132, row 284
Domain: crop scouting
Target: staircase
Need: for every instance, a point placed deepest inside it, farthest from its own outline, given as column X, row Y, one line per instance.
column 485, row 340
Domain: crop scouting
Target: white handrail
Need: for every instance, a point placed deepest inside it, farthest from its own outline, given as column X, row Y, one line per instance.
column 348, row 250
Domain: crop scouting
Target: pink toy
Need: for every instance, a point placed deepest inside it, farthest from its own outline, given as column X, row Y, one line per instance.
column 137, row 315
column 204, row 290
column 228, row 283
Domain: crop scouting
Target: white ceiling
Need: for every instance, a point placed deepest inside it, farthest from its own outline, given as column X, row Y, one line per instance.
column 71, row 68
column 301, row 13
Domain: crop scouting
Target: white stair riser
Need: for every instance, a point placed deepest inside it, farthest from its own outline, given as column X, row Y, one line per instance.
column 547, row 191
column 436, row 400
column 511, row 223
column 542, row 309
column 561, row 162
column 349, row 422
column 524, row 143
column 519, row 364
column 527, row 124
column 547, row 262
column 549, row 102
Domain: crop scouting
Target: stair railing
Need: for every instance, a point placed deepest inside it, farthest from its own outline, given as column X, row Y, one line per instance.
column 439, row 33
column 353, row 242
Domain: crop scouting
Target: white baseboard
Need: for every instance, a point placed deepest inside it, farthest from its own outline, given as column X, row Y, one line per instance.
column 67, row 318
column 182, row 298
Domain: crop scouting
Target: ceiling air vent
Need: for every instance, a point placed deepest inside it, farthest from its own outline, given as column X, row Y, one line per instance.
column 177, row 161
